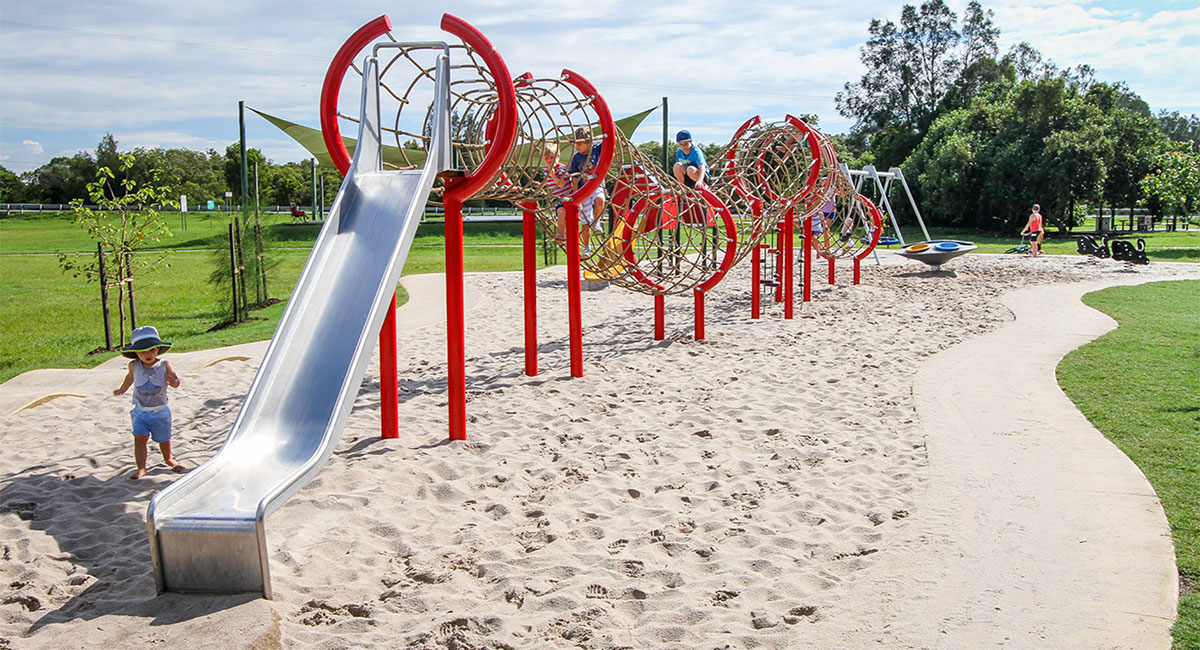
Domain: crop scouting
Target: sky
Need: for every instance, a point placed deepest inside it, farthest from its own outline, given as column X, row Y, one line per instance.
column 162, row 73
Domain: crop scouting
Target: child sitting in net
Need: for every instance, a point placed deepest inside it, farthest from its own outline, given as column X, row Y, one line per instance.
column 558, row 182
column 582, row 168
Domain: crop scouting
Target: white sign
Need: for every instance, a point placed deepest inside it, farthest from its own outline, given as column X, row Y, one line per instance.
column 183, row 202
column 228, row 194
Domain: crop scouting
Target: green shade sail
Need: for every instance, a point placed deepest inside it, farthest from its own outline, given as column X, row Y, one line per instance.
column 312, row 140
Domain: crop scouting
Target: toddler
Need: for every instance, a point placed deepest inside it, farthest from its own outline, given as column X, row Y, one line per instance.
column 149, row 375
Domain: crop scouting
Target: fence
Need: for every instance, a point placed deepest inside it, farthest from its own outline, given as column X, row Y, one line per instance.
column 432, row 213
column 1139, row 220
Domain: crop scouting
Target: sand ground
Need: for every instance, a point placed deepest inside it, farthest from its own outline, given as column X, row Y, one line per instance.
column 894, row 468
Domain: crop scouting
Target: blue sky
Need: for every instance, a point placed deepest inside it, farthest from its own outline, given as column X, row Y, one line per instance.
column 164, row 74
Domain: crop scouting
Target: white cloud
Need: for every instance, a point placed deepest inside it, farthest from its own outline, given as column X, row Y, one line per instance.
column 32, row 146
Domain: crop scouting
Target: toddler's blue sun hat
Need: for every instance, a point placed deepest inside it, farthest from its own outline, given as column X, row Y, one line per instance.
column 144, row 338
column 683, row 136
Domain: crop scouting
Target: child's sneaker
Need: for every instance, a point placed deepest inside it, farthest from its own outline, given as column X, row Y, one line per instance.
column 586, row 251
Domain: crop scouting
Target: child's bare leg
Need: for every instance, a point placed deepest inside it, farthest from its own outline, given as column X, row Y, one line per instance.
column 165, row 448
column 140, row 444
column 561, row 235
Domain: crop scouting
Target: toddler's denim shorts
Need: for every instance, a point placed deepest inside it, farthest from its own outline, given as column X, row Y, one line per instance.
column 156, row 424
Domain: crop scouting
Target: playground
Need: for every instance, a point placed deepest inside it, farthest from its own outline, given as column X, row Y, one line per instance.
column 682, row 458
column 767, row 482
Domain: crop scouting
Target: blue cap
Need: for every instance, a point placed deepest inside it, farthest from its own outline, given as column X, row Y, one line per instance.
column 683, row 136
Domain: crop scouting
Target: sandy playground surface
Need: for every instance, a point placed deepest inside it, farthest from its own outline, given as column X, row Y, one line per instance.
column 894, row 468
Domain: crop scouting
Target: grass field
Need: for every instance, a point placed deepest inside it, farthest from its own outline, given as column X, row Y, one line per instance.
column 1140, row 386
column 52, row 320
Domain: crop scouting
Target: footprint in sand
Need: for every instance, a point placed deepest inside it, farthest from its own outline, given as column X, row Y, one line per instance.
column 596, row 591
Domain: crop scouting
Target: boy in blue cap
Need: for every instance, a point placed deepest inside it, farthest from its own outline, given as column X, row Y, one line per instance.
column 691, row 168
column 149, row 375
column 583, row 165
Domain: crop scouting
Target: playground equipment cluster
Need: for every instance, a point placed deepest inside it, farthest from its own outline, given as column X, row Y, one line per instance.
column 465, row 128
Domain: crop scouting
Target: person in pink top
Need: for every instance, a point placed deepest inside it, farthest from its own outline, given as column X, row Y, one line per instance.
column 1034, row 229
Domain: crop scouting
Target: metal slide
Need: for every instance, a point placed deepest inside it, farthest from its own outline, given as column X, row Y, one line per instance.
column 207, row 530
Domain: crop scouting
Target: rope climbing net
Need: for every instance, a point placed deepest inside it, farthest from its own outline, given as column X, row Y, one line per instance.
column 642, row 228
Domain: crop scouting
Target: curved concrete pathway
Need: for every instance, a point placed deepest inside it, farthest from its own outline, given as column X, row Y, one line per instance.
column 1035, row 530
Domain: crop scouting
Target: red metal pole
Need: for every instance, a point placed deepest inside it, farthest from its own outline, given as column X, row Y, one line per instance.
column 660, row 317
column 778, row 253
column 389, row 399
column 756, row 281
column 808, row 248
column 529, row 239
column 699, row 296
column 857, row 275
column 831, row 280
column 788, row 247
column 574, row 300
column 456, row 354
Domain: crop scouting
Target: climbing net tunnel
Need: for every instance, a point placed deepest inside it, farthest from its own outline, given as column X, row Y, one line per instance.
column 406, row 86
column 642, row 229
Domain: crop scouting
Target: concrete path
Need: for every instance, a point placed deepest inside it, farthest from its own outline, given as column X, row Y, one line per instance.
column 1044, row 534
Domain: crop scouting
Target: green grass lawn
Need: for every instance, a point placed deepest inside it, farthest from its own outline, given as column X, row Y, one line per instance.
column 1140, row 386
column 51, row 320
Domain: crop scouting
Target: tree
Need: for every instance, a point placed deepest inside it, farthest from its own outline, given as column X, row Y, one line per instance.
column 1136, row 144
column 1073, row 168
column 121, row 231
column 233, row 169
column 107, row 154
column 979, row 35
column 195, row 174
column 1060, row 141
column 1176, row 182
column 287, row 183
column 61, row 180
column 1178, row 127
column 851, row 149
column 911, row 67
column 1027, row 62
column 653, row 150
column 12, row 190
